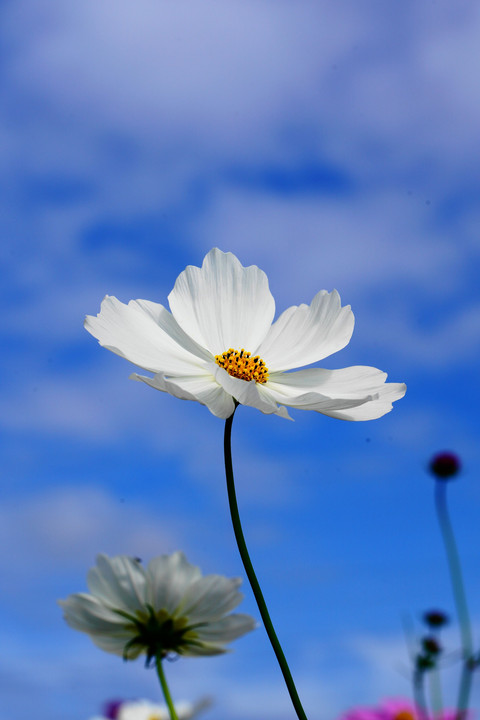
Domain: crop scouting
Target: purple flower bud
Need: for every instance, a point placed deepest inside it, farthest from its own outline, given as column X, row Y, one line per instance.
column 112, row 708
column 435, row 618
column 431, row 645
column 445, row 465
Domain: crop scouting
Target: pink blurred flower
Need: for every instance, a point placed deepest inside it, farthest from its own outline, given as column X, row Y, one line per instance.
column 394, row 709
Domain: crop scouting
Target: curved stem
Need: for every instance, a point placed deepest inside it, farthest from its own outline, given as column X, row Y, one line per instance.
column 165, row 690
column 459, row 594
column 247, row 564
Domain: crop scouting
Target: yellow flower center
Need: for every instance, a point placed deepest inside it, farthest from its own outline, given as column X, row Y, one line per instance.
column 242, row 365
column 404, row 715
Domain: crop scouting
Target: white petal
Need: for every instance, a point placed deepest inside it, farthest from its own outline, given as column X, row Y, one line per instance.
column 354, row 381
column 84, row 612
column 322, row 404
column 145, row 710
column 248, row 393
column 304, row 334
column 378, row 407
column 202, row 650
column 352, row 393
column 169, row 578
column 223, row 304
column 201, row 388
column 119, row 581
column 116, row 645
column 227, row 629
column 211, row 597
column 147, row 335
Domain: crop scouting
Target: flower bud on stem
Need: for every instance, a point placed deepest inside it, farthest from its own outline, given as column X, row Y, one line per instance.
column 454, row 566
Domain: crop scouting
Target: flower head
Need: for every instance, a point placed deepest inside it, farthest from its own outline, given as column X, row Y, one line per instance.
column 431, row 646
column 219, row 345
column 394, row 709
column 435, row 618
column 445, row 465
column 146, row 710
column 169, row 607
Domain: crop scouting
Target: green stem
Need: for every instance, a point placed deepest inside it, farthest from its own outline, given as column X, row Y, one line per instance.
column 436, row 692
column 464, row 689
column 247, row 564
column 459, row 595
column 419, row 694
column 165, row 690
column 417, row 674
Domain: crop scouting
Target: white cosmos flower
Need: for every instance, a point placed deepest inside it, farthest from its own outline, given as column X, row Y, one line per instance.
column 168, row 607
column 145, row 710
column 219, row 344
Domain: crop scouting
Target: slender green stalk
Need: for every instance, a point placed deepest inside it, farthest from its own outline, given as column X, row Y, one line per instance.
column 417, row 674
column 165, row 690
column 247, row 564
column 419, row 693
column 459, row 595
column 436, row 692
column 464, row 689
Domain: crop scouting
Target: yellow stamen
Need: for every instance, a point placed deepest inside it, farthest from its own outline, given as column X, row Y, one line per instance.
column 404, row 715
column 242, row 365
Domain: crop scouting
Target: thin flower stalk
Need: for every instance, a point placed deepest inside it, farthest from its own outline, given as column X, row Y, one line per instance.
column 460, row 598
column 436, row 692
column 247, row 564
column 419, row 693
column 165, row 689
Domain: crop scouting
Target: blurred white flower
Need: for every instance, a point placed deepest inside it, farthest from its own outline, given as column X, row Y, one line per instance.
column 169, row 607
column 218, row 345
column 145, row 710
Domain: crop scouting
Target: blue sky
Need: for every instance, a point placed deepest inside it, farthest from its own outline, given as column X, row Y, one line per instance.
column 334, row 145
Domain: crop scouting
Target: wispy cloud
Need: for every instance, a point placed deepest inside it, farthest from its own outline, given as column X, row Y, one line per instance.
column 62, row 530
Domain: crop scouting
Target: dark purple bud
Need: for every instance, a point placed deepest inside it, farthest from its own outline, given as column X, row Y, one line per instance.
column 431, row 645
column 435, row 618
column 424, row 662
column 112, row 708
column 445, row 465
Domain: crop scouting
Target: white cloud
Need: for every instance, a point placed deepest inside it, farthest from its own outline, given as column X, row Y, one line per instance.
column 216, row 70
column 451, row 341
column 188, row 89
column 258, row 79
column 367, row 243
column 102, row 407
column 74, row 674
column 63, row 529
column 387, row 663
